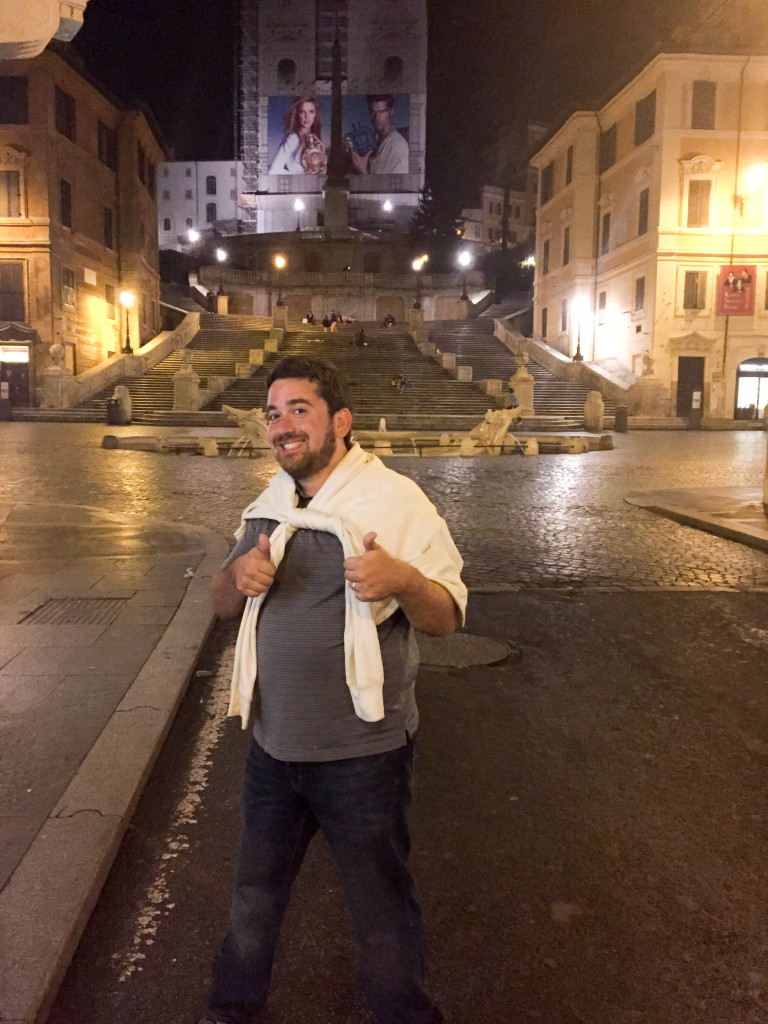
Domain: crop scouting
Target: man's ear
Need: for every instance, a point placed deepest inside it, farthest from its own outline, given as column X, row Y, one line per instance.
column 343, row 422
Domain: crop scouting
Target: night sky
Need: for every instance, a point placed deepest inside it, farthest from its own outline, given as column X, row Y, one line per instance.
column 491, row 61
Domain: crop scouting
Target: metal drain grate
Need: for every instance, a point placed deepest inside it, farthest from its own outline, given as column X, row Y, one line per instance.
column 76, row 611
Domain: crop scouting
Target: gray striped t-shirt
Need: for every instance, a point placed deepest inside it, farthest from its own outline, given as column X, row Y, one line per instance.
column 302, row 704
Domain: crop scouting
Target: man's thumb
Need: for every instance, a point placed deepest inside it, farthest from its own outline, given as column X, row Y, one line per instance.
column 264, row 545
column 369, row 541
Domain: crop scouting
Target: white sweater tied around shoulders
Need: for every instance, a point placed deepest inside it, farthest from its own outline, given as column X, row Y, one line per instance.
column 360, row 495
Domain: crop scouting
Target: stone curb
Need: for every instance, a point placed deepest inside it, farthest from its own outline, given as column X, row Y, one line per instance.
column 48, row 900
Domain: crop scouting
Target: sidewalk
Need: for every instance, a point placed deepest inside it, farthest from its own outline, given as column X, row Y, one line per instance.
column 102, row 618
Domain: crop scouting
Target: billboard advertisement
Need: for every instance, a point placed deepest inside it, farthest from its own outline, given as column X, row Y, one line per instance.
column 375, row 131
column 736, row 291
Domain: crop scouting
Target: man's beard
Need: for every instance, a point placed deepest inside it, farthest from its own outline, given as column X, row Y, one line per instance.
column 311, row 462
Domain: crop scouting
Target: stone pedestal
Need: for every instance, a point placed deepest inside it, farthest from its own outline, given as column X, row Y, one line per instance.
column 221, row 304
column 647, row 397
column 492, row 386
column 256, row 357
column 273, row 344
column 463, row 306
column 415, row 318
column 59, row 388
column 524, row 385
column 448, row 360
column 594, row 412
column 280, row 317
column 133, row 366
column 464, row 373
column 186, row 390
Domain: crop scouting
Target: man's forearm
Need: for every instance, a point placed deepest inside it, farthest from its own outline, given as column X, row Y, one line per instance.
column 428, row 606
column 227, row 600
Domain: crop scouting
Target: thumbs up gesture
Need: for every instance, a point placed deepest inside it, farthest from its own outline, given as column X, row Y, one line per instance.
column 375, row 574
column 253, row 571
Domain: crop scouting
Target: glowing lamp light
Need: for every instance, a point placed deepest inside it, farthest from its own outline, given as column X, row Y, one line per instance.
column 755, row 178
column 127, row 299
column 387, row 206
column 280, row 264
column 193, row 235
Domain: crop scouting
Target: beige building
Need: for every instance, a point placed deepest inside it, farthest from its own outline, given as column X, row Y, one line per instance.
column 78, row 221
column 483, row 224
column 652, row 234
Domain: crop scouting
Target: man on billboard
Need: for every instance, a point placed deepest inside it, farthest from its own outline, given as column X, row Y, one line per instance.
column 390, row 155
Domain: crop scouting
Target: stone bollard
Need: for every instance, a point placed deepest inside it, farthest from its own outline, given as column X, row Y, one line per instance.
column 280, row 317
column 186, row 390
column 445, row 440
column 123, row 396
column 492, row 386
column 448, row 360
column 464, row 373
column 531, row 447
column 256, row 357
column 594, row 412
column 210, row 446
column 467, row 448
column 381, row 447
column 242, row 370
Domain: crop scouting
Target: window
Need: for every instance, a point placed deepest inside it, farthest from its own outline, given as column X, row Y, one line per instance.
column 107, row 143
column 642, row 212
column 190, row 223
column 544, row 322
column 151, row 178
column 65, row 203
column 188, row 172
column 566, row 246
column 703, row 105
column 545, row 258
column 210, row 185
column 393, row 70
column 166, row 193
column 109, row 301
column 602, row 302
column 167, row 224
column 10, row 194
column 233, row 172
column 645, row 118
column 605, row 233
column 109, row 237
column 569, row 165
column 141, row 162
column 607, row 156
column 68, row 295
column 210, row 212
column 490, row 234
column 695, row 289
column 699, row 192
column 14, row 100
column 12, row 291
column 188, row 193
column 564, row 315
column 66, row 122
column 286, row 71
column 547, row 183
column 639, row 303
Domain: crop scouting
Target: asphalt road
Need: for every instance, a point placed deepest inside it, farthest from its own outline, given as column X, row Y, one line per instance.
column 590, row 816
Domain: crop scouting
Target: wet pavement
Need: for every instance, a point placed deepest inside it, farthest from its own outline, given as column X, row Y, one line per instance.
column 553, row 548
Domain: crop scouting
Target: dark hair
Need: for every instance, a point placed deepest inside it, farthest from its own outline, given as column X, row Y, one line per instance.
column 331, row 386
column 380, row 97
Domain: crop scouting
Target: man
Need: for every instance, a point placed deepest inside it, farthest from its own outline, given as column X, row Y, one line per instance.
column 336, row 564
column 391, row 153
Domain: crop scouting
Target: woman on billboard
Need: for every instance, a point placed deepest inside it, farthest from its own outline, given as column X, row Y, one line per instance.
column 302, row 150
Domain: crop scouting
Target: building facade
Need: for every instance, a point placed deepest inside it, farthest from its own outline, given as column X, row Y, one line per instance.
column 78, row 221
column 198, row 196
column 483, row 225
column 652, row 233
column 285, row 74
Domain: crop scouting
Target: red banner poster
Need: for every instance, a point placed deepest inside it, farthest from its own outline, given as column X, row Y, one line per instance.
column 736, row 291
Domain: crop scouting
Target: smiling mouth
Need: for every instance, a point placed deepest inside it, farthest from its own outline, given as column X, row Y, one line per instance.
column 289, row 444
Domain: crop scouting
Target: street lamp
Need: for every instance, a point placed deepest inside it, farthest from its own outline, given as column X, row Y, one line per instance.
column 127, row 300
column 578, row 309
column 221, row 255
column 193, row 235
column 387, row 207
column 298, row 207
column 465, row 260
column 418, row 266
column 280, row 264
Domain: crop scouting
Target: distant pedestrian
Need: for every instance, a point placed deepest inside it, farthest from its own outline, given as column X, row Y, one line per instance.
column 326, row 323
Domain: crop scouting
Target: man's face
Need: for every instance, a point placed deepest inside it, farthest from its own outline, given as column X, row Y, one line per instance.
column 305, row 439
column 381, row 117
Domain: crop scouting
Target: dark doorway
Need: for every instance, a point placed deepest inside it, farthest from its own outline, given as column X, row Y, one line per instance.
column 690, row 379
column 16, row 376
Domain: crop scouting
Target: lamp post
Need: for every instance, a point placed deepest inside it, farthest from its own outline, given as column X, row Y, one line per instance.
column 280, row 264
column 193, row 236
column 127, row 300
column 464, row 260
column 418, row 266
column 221, row 256
column 298, row 207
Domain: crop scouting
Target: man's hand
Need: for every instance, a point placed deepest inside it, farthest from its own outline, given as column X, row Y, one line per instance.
column 248, row 576
column 253, row 571
column 377, row 575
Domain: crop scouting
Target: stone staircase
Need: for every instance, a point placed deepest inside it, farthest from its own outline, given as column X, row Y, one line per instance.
column 432, row 396
column 475, row 345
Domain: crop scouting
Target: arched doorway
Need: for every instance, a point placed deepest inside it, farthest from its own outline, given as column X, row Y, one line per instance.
column 751, row 389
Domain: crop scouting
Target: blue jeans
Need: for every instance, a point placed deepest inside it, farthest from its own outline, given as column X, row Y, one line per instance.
column 360, row 806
